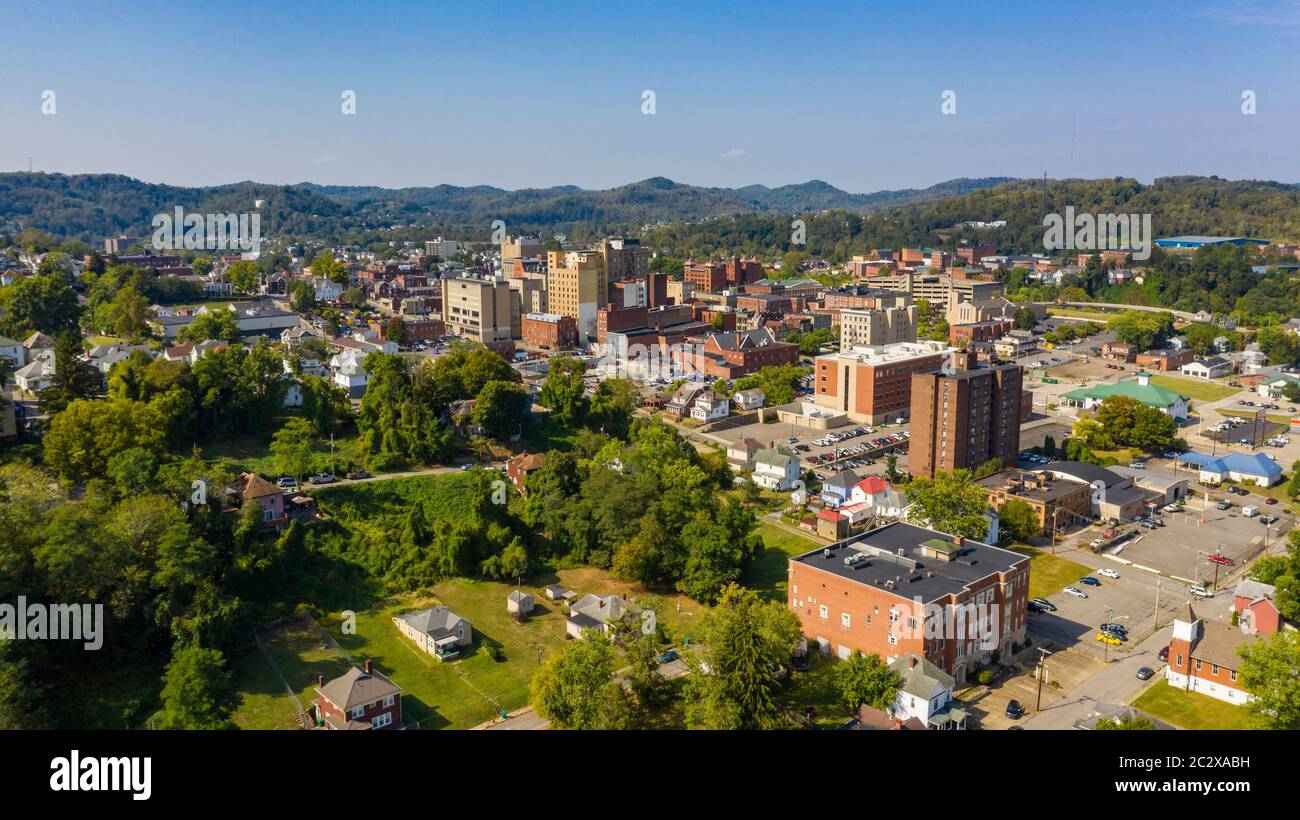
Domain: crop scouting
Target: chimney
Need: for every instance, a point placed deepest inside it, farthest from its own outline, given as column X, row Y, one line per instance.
column 957, row 540
column 369, row 666
column 320, row 680
column 911, row 664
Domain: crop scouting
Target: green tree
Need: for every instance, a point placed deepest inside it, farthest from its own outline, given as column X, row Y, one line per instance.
column 198, row 692
column 243, row 275
column 1139, row 724
column 731, row 685
column 325, row 266
column 292, row 448
column 866, row 679
column 213, row 323
column 951, row 502
column 562, row 391
column 129, row 313
column 575, row 687
column 395, row 331
column 81, row 440
column 500, row 407
column 1270, row 672
column 72, row 379
column 302, row 297
column 38, row 303
column 1019, row 520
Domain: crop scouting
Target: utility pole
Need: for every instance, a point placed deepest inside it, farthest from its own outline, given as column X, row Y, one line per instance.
column 1106, row 644
column 1042, row 673
column 1156, row 625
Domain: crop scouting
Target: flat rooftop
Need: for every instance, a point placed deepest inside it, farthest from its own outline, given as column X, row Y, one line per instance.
column 885, row 354
column 905, row 553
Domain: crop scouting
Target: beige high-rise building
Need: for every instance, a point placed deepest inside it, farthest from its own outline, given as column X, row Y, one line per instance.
column 521, row 247
column 532, row 292
column 679, row 291
column 577, row 286
column 872, row 327
column 486, row 309
column 624, row 258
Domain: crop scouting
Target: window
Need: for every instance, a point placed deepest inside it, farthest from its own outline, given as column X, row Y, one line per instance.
column 1198, row 664
column 893, row 639
column 1180, row 661
column 845, row 620
column 893, row 616
column 358, row 712
column 382, row 720
column 1232, row 674
column 1214, row 669
column 823, row 611
column 388, row 701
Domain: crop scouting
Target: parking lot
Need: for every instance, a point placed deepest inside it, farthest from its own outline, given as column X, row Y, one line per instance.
column 1181, row 548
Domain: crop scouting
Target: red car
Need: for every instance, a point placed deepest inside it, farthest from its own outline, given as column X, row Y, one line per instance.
column 1221, row 559
column 1164, row 654
column 1270, row 501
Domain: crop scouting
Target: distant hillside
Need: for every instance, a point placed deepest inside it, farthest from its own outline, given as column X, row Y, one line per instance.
column 91, row 206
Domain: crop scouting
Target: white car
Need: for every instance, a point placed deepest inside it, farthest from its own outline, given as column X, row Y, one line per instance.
column 1075, row 592
column 1108, row 573
column 1200, row 592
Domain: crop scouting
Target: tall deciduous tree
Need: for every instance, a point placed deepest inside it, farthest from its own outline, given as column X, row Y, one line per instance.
column 575, row 688
column 949, row 502
column 866, row 679
column 198, row 692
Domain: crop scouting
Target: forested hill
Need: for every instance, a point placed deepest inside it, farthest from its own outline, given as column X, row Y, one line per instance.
column 1178, row 205
column 92, row 206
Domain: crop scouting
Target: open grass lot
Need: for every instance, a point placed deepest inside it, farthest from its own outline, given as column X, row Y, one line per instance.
column 444, row 496
column 302, row 654
column 1190, row 710
column 768, row 572
column 1195, row 388
column 253, row 454
column 815, row 688
column 1049, row 573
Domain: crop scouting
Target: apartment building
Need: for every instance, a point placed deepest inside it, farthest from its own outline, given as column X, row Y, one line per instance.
column 865, row 327
column 577, row 286
column 625, row 259
column 521, row 247
column 549, row 331
column 732, row 355
column 942, row 291
column 901, row 588
column 873, row 384
column 484, row 308
column 963, row 416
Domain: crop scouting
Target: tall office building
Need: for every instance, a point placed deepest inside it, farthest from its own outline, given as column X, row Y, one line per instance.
column 577, row 286
column 484, row 308
column 964, row 416
column 862, row 327
column 521, row 247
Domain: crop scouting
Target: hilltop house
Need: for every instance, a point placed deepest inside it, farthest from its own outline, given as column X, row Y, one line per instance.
column 437, row 631
column 359, row 699
column 597, row 612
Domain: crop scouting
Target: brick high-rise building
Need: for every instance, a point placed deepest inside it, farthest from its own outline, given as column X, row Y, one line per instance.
column 963, row 417
column 577, row 286
column 873, row 384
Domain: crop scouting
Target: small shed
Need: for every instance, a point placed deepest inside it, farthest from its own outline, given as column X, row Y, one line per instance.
column 519, row 603
column 558, row 593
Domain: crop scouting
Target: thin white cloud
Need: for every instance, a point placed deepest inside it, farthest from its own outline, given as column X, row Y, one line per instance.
column 734, row 152
column 1278, row 14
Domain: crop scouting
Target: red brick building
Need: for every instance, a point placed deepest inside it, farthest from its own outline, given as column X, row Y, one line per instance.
column 965, row 418
column 1165, row 360
column 902, row 588
column 708, row 277
column 874, row 385
column 965, row 335
column 732, row 355
column 361, row 698
column 549, row 331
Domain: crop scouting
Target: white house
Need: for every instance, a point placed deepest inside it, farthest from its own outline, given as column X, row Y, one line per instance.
column 1271, row 388
column 776, row 468
column 740, row 454
column 292, row 392
column 327, row 290
column 710, row 406
column 596, row 612
column 348, row 370
column 38, row 374
column 437, row 630
column 925, row 694
column 13, row 351
column 751, row 399
column 1208, row 368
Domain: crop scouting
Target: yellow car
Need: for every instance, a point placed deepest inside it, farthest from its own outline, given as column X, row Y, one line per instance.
column 1106, row 637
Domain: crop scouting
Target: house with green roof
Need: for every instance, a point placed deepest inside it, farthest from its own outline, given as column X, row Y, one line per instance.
column 1167, row 401
column 1273, row 386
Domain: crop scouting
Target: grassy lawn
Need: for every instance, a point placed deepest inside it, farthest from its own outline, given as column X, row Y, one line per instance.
column 1195, row 388
column 1049, row 573
column 94, row 341
column 815, row 688
column 302, row 654
column 1190, row 710
column 545, row 433
column 768, row 572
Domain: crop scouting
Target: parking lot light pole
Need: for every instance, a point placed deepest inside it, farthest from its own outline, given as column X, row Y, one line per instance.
column 1042, row 673
column 1106, row 644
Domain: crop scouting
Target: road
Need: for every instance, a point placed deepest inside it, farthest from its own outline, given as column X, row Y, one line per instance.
column 1116, row 682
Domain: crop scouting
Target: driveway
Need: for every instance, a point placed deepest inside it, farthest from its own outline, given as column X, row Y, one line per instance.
column 1115, row 682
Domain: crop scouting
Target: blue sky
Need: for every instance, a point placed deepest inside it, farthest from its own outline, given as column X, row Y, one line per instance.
column 537, row 94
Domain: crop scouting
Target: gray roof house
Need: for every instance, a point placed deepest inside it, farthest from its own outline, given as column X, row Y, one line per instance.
column 436, row 630
column 925, row 694
column 596, row 612
column 519, row 602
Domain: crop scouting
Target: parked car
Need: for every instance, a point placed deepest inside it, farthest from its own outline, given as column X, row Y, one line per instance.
column 286, row 482
column 1107, row 638
column 323, row 478
column 1163, row 654
column 1270, row 501
column 1145, row 673
column 356, row 475
column 1046, row 605
column 1267, row 519
column 1075, row 592
column 1033, row 607
column 1108, row 573
column 1097, row 543
column 1201, row 592
column 1220, row 558
column 668, row 656
column 1237, row 491
column 1014, row 710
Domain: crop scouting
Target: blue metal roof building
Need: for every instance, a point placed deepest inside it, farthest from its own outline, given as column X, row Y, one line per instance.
column 1200, row 241
column 1256, row 467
